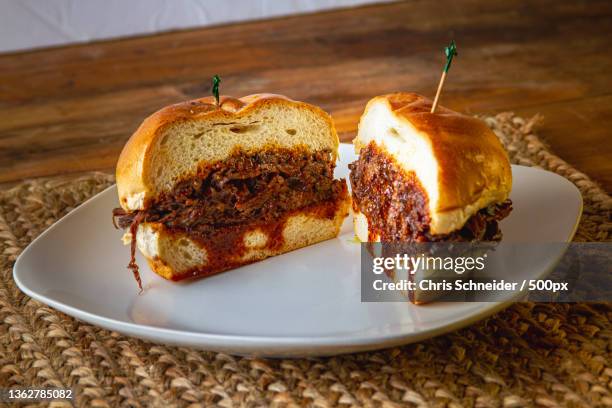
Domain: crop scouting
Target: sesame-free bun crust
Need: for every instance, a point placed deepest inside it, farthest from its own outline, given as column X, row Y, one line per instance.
column 177, row 256
column 171, row 144
column 457, row 159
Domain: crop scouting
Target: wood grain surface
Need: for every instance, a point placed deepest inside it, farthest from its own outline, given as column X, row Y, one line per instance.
column 71, row 109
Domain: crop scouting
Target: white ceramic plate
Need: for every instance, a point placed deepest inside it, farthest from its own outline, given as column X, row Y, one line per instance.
column 306, row 302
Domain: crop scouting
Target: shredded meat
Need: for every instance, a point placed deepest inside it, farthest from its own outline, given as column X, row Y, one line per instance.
column 122, row 219
column 133, row 266
column 240, row 189
column 246, row 188
column 396, row 204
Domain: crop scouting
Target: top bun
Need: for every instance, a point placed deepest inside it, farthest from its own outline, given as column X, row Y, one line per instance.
column 458, row 160
column 171, row 144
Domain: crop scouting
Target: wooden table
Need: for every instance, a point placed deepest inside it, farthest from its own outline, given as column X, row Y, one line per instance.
column 70, row 109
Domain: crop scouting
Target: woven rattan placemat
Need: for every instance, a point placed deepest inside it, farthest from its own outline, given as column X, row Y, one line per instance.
column 528, row 355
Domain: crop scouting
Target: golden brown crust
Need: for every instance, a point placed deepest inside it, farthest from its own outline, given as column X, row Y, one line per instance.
column 473, row 167
column 131, row 171
column 470, row 156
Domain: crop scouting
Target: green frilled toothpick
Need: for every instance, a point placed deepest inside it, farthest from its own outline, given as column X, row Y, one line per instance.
column 216, row 80
column 450, row 52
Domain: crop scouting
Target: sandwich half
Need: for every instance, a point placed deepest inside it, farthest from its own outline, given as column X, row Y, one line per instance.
column 204, row 188
column 427, row 177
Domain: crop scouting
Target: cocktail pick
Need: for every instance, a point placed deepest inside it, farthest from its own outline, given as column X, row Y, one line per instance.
column 216, row 80
column 450, row 52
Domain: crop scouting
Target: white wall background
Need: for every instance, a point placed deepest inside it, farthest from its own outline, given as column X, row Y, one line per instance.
column 26, row 24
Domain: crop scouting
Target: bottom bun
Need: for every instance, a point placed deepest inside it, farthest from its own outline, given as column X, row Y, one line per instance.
column 176, row 256
column 362, row 231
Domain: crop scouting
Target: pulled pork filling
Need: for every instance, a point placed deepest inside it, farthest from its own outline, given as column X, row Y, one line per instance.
column 396, row 204
column 246, row 188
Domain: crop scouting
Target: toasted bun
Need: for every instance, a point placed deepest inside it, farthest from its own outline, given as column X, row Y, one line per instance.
column 174, row 142
column 176, row 256
column 360, row 225
column 457, row 159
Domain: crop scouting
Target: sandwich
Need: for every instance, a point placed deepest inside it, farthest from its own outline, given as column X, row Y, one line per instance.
column 427, row 177
column 209, row 185
column 423, row 180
